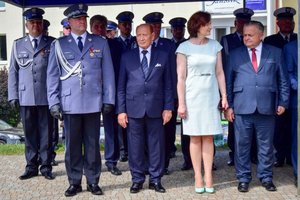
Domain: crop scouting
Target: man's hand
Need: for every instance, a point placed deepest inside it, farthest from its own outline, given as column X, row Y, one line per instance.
column 14, row 104
column 229, row 114
column 123, row 120
column 55, row 111
column 107, row 108
column 280, row 110
column 166, row 115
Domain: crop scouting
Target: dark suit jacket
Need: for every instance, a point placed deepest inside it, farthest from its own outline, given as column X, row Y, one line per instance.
column 138, row 95
column 263, row 91
column 278, row 41
column 168, row 46
column 229, row 42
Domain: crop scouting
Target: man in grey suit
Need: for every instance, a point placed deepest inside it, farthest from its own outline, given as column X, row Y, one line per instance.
column 27, row 88
column 80, row 82
column 258, row 89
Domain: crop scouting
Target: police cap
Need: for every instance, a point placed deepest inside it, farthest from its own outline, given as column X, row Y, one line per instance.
column 243, row 13
column 125, row 16
column 76, row 10
column 154, row 17
column 284, row 12
column 177, row 22
column 111, row 25
column 65, row 23
column 33, row 14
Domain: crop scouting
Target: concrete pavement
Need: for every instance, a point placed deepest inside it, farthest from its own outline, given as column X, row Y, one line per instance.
column 179, row 184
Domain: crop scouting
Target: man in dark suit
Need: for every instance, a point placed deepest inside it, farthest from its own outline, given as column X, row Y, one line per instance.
column 258, row 89
column 98, row 24
column 282, row 137
column 27, row 88
column 145, row 104
column 155, row 20
column 127, row 42
column 81, row 82
column 291, row 59
column 230, row 42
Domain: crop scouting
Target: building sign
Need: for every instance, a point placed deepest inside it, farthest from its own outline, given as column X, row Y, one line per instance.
column 228, row 6
column 256, row 4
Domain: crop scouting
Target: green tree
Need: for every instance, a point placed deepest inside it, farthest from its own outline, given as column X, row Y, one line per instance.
column 7, row 113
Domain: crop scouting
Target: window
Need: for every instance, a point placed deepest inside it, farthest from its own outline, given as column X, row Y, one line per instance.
column 2, row 6
column 3, row 49
column 219, row 32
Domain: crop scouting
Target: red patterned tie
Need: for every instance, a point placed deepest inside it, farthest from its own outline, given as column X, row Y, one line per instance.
column 254, row 60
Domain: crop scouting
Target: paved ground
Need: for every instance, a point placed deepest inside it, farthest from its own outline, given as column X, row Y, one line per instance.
column 179, row 184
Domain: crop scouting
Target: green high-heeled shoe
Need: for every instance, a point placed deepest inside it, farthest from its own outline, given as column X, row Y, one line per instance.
column 210, row 190
column 199, row 190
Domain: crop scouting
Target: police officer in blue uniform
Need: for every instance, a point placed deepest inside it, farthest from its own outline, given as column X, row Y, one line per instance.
column 27, row 88
column 66, row 27
column 230, row 42
column 155, row 20
column 125, row 26
column 178, row 31
column 98, row 24
column 282, row 137
column 111, row 29
column 127, row 42
column 80, row 83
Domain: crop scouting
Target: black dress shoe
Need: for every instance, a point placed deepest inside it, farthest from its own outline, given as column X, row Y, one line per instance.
column 123, row 158
column 186, row 167
column 278, row 164
column 114, row 170
column 136, row 187
column 243, row 187
column 54, row 163
column 73, row 190
column 166, row 171
column 157, row 187
column 269, row 186
column 48, row 175
column 94, row 189
column 28, row 175
column 230, row 162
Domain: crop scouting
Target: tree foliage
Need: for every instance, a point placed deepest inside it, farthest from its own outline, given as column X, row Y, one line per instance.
column 7, row 113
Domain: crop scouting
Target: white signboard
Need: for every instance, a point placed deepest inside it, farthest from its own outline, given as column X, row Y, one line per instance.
column 225, row 6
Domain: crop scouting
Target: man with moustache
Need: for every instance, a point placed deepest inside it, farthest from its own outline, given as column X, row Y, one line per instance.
column 80, row 84
column 27, row 92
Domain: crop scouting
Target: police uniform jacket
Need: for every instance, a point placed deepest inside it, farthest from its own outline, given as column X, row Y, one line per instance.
column 92, row 85
column 27, row 71
column 278, row 41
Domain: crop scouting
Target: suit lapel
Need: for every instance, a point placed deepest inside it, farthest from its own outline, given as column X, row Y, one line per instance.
column 264, row 55
column 152, row 60
column 28, row 44
column 41, row 45
column 73, row 45
column 87, row 44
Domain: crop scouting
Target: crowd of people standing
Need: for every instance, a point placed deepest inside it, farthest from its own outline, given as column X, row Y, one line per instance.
column 140, row 84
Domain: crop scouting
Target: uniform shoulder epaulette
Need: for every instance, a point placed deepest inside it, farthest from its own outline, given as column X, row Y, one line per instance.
column 20, row 38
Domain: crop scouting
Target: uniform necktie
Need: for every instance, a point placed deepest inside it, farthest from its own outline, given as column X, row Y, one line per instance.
column 80, row 45
column 153, row 44
column 254, row 59
column 145, row 63
column 286, row 39
column 35, row 44
column 242, row 39
column 127, row 43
